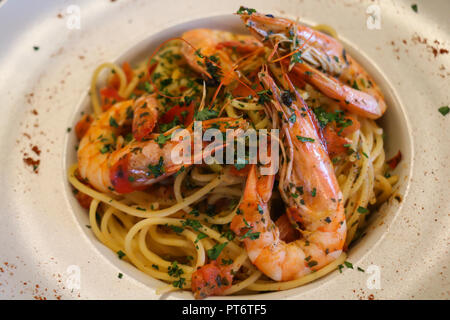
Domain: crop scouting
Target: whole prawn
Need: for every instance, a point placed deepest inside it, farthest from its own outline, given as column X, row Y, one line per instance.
column 310, row 191
column 321, row 59
column 108, row 164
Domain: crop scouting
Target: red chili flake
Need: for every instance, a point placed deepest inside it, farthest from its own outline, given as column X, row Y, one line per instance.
column 32, row 163
column 83, row 199
column 395, row 160
column 36, row 150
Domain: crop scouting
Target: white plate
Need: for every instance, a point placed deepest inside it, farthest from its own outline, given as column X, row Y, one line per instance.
column 44, row 239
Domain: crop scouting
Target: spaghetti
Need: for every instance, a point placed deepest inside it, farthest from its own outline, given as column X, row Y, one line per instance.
column 181, row 223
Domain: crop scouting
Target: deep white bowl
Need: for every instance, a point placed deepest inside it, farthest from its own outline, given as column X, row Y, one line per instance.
column 43, row 228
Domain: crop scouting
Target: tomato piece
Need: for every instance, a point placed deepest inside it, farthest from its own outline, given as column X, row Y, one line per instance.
column 297, row 80
column 184, row 114
column 119, row 176
column 393, row 163
column 335, row 143
column 129, row 73
column 83, row 199
column 83, row 126
column 110, row 93
column 114, row 81
column 109, row 96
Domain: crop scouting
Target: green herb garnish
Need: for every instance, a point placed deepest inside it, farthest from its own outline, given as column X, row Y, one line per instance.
column 215, row 251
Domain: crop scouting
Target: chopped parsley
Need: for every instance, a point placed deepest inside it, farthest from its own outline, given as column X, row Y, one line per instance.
column 415, row 8
column 167, row 126
column 200, row 236
column 174, row 270
column 444, row 110
column 305, row 139
column 158, row 169
column 113, row 123
column 179, row 171
column 260, row 209
column 194, row 212
column 326, row 117
column 362, row 210
column 166, row 82
column 296, row 58
column 206, row 114
column 177, row 229
column 120, row 254
column 228, row 234
column 162, row 139
column 312, row 263
column 227, row 262
column 292, row 118
column 348, row 264
column 105, row 148
column 245, row 10
column 264, row 96
column 179, row 283
column 215, row 251
column 251, row 235
column 194, row 224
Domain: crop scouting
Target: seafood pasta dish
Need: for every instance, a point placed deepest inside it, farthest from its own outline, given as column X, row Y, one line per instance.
column 151, row 168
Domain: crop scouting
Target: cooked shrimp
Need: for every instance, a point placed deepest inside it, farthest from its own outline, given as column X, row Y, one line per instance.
column 322, row 58
column 109, row 165
column 310, row 190
column 210, row 44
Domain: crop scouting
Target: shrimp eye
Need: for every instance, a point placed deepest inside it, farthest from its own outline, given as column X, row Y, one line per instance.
column 286, row 97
